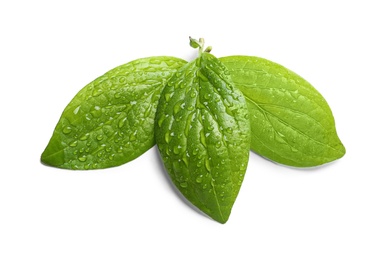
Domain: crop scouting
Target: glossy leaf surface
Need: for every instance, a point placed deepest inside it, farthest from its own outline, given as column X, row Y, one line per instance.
column 291, row 122
column 111, row 120
column 203, row 135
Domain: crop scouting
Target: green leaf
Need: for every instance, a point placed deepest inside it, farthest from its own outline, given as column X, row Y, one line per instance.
column 111, row 120
column 203, row 135
column 291, row 122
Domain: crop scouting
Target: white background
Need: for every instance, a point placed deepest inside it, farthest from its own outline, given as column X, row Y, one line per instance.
column 50, row 49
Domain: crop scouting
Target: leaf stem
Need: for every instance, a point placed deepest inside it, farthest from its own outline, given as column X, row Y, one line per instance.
column 194, row 43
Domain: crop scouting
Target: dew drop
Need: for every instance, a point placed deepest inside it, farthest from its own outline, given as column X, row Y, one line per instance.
column 121, row 122
column 160, row 121
column 184, row 184
column 76, row 110
column 185, row 160
column 168, row 137
column 203, row 138
column 218, row 144
column 97, row 92
column 117, row 95
column 199, row 164
column 73, row 144
column 177, row 149
column 96, row 112
column 66, row 130
column 122, row 80
column 279, row 138
column 207, row 164
column 84, row 137
column 99, row 137
column 176, row 108
column 199, row 179
column 83, row 158
column 133, row 136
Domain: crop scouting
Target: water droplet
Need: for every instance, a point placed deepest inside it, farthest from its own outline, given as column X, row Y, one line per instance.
column 96, row 111
column 76, row 110
column 207, row 164
column 218, row 144
column 199, row 179
column 203, row 138
column 279, row 138
column 111, row 157
column 122, row 80
column 190, row 108
column 199, row 164
column 86, row 167
column 83, row 158
column 161, row 120
column 168, row 96
column 67, row 129
column 84, row 137
column 99, row 137
column 177, row 149
column 97, row 92
column 229, row 130
column 133, row 136
column 177, row 107
column 117, row 95
column 205, row 186
column 185, row 160
column 207, row 96
column 293, row 149
column 168, row 137
column 121, row 122
column 193, row 94
column 73, row 144
column 184, row 184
